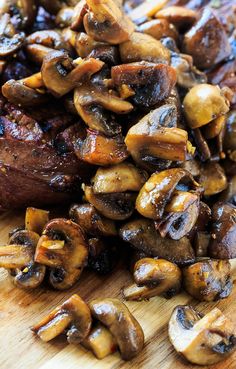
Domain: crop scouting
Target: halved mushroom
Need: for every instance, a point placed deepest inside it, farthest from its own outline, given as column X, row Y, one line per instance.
column 203, row 103
column 36, row 219
column 100, row 341
column 159, row 28
column 143, row 47
column 121, row 323
column 223, row 241
column 10, row 41
column 180, row 16
column 208, row 280
column 212, row 178
column 106, row 21
column 50, row 38
column 154, row 277
column 142, row 235
column 115, row 206
column 91, row 221
column 73, row 315
column 118, row 178
column 64, row 249
column 59, row 74
column 18, row 256
column 98, row 149
column 152, row 83
column 36, row 53
column 202, row 340
column 207, row 41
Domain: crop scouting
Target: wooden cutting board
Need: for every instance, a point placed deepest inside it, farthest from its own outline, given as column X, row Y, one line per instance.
column 19, row 309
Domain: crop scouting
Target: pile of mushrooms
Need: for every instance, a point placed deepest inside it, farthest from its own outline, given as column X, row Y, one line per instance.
column 126, row 110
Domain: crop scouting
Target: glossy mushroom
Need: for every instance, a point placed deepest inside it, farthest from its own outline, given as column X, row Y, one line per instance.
column 10, row 40
column 36, row 219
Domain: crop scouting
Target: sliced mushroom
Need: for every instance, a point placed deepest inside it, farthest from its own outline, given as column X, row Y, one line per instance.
column 60, row 77
column 18, row 256
column 152, row 83
column 101, row 150
column 23, row 12
column 100, row 341
column 118, row 178
column 207, row 40
column 106, row 22
column 147, row 8
column 203, row 103
column 143, row 47
column 159, row 28
column 36, row 219
column 121, row 323
column 37, row 53
column 79, row 12
column 10, row 41
column 208, row 280
column 154, row 277
column 180, row 16
column 223, row 241
column 64, row 17
column 91, row 221
column 115, row 206
column 50, row 38
column 63, row 248
column 73, row 316
column 212, row 178
column 202, row 340
column 142, row 235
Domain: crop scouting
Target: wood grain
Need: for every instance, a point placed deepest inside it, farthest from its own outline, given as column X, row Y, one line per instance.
column 20, row 309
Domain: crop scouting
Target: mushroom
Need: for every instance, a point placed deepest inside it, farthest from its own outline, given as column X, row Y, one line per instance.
column 115, row 206
column 154, row 277
column 230, row 134
column 106, row 21
column 50, row 38
column 142, row 235
column 55, row 6
column 207, row 41
column 100, row 341
column 143, row 47
column 180, row 16
column 100, row 150
column 212, row 178
column 223, row 242
column 103, row 255
column 36, row 219
column 73, row 315
column 146, row 9
column 118, row 178
column 91, row 221
column 159, row 28
column 201, row 339
column 121, row 323
column 64, row 17
column 152, row 83
column 229, row 194
column 36, row 52
column 60, row 77
column 63, row 248
column 23, row 12
column 203, row 103
column 208, row 280
column 156, row 137
column 10, row 41
column 79, row 12
column 18, row 257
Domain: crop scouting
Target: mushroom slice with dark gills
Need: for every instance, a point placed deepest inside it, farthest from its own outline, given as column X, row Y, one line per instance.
column 95, row 105
column 201, row 339
column 63, row 248
column 152, row 83
column 22, row 12
column 18, row 258
column 50, row 38
column 154, row 277
column 121, row 323
column 106, row 21
column 10, row 40
column 155, row 138
column 72, row 316
column 208, row 280
column 100, row 150
column 61, row 75
column 91, row 221
column 223, row 233
column 142, row 235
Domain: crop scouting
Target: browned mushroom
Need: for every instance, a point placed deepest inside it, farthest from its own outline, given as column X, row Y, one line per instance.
column 207, row 40
column 121, row 323
column 59, row 75
column 208, row 280
column 106, row 21
column 79, row 12
column 154, row 277
column 146, row 8
column 64, row 17
column 103, row 255
column 159, row 28
column 223, row 241
column 202, row 340
column 36, row 219
column 50, row 38
column 18, row 257
column 142, row 235
column 212, row 178
column 36, row 53
column 56, row 5
column 73, row 315
column 91, row 221
column 23, row 12
column 63, row 248
column 10, row 41
column 180, row 16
